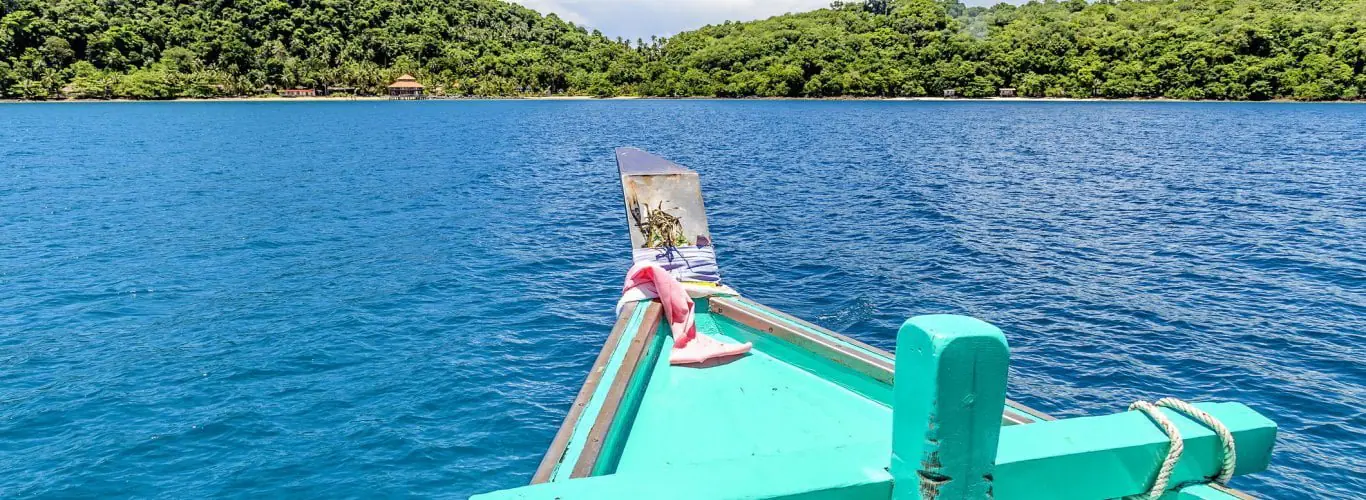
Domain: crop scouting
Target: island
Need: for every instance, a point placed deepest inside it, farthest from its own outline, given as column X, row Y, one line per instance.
column 1174, row 49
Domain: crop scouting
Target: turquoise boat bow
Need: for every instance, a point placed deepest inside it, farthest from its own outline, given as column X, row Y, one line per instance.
column 812, row 414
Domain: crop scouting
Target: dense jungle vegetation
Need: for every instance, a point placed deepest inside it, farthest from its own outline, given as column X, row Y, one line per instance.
column 1185, row 49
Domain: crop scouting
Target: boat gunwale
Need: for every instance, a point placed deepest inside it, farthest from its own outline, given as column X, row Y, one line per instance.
column 880, row 369
column 606, row 419
column 560, row 444
column 817, row 328
column 1239, row 494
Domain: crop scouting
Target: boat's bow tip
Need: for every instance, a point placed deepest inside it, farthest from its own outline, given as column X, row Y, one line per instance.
column 635, row 161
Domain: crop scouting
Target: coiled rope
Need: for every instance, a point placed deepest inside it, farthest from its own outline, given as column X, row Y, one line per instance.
column 1164, row 473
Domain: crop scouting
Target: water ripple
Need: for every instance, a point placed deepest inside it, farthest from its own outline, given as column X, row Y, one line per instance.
column 401, row 299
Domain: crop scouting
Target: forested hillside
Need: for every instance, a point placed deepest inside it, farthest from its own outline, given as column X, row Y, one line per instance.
column 198, row 48
column 1188, row 49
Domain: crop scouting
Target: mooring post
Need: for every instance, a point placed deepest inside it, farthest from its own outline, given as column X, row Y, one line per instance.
column 948, row 398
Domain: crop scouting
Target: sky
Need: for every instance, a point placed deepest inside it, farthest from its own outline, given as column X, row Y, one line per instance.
column 633, row 19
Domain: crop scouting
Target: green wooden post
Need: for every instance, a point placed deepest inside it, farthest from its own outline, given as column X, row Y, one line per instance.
column 948, row 398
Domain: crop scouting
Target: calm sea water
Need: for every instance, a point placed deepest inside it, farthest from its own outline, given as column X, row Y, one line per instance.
column 358, row 299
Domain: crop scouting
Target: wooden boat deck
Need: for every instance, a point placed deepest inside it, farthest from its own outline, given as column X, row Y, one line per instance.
column 801, row 388
column 775, row 400
column 807, row 410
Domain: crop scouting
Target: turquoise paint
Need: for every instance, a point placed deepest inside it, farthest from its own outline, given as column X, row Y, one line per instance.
column 762, row 404
column 845, row 472
column 782, row 405
column 630, row 405
column 590, row 412
column 1199, row 492
column 772, row 314
column 766, row 311
column 1117, row 455
column 949, row 396
column 846, row 377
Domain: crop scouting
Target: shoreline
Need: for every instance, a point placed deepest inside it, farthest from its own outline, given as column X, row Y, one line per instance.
column 691, row 98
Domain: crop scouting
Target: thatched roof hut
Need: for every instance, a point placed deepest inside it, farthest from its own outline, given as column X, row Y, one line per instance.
column 405, row 87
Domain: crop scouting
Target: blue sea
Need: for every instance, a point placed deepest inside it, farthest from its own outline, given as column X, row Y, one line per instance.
column 401, row 299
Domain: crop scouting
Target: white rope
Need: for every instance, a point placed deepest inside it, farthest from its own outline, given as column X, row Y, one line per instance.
column 1225, row 437
column 1164, row 473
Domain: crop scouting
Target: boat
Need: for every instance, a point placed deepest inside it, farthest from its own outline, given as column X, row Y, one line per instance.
column 809, row 413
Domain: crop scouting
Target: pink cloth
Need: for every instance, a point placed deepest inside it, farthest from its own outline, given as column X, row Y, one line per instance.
column 689, row 346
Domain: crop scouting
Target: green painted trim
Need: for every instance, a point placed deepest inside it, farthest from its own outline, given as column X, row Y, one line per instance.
column 835, row 373
column 950, row 393
column 779, row 316
column 630, row 404
column 1017, row 409
column 854, row 472
column 574, row 448
column 1113, row 456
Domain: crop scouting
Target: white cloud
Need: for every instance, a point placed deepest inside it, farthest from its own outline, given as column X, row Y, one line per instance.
column 633, row 19
column 641, row 18
column 556, row 7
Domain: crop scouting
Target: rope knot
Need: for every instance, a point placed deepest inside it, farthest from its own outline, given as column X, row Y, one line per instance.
column 1164, row 473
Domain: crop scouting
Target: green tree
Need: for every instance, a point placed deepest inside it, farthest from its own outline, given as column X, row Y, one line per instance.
column 57, row 51
column 90, row 82
column 1216, row 49
column 153, row 82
